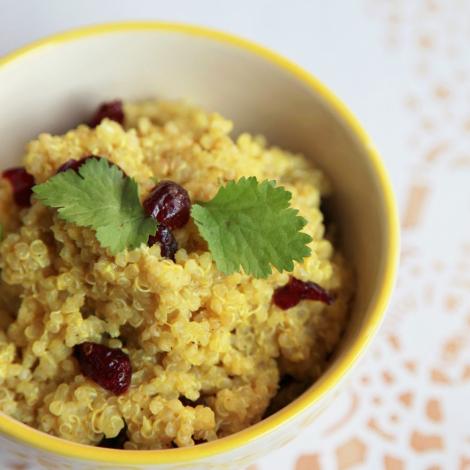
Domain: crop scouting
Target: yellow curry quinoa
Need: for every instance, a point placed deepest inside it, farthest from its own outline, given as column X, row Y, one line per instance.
column 211, row 353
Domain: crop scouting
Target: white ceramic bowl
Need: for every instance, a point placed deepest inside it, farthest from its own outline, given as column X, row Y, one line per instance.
column 54, row 83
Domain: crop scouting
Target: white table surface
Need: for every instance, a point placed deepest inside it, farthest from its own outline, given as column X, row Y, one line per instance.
column 403, row 67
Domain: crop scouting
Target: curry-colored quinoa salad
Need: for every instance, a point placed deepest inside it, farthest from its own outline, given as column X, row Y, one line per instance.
column 210, row 353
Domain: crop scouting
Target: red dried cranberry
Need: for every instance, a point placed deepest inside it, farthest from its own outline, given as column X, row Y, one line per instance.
column 296, row 290
column 169, row 204
column 111, row 110
column 164, row 237
column 74, row 164
column 22, row 183
column 70, row 165
column 110, row 368
column 116, row 442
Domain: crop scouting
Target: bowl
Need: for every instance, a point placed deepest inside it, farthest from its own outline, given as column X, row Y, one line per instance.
column 54, row 83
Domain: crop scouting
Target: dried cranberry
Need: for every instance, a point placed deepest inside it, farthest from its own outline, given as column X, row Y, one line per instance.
column 74, row 164
column 116, row 442
column 164, row 237
column 22, row 183
column 169, row 204
column 110, row 368
column 70, row 165
column 296, row 290
column 111, row 110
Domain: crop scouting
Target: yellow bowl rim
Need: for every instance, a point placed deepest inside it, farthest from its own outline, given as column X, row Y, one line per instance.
column 25, row 434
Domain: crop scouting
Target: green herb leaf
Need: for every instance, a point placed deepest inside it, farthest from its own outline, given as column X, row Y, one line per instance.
column 1, row 232
column 100, row 197
column 251, row 224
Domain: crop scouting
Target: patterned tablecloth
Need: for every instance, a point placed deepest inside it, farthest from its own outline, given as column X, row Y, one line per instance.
column 406, row 405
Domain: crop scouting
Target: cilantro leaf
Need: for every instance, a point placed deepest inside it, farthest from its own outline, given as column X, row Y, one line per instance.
column 251, row 224
column 101, row 197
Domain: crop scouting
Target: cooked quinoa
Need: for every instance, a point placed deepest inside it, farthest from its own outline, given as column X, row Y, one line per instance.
column 208, row 350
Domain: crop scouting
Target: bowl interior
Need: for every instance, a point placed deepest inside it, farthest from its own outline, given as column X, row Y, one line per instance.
column 56, row 86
